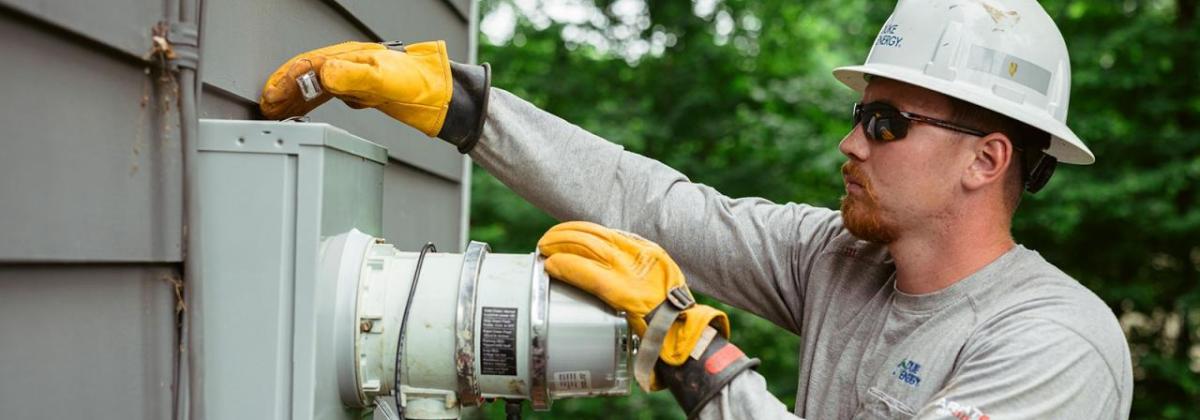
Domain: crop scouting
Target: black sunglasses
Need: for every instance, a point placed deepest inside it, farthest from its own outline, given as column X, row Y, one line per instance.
column 884, row 122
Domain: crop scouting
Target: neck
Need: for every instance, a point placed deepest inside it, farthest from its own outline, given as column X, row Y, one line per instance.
column 928, row 261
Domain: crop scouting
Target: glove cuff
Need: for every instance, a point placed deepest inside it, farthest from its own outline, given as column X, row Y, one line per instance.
column 697, row 381
column 468, row 105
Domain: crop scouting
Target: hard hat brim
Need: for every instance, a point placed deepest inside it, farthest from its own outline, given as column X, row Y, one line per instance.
column 1064, row 144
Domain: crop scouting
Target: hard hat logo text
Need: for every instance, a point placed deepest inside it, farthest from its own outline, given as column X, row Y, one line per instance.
column 888, row 38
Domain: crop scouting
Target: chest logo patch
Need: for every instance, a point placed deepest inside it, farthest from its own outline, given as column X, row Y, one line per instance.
column 908, row 371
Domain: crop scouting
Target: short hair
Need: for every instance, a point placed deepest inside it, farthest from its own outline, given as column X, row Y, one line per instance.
column 1028, row 142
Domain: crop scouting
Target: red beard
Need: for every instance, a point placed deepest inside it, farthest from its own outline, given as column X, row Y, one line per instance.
column 861, row 213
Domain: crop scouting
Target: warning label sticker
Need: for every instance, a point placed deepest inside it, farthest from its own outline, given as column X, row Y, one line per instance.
column 498, row 342
column 573, row 381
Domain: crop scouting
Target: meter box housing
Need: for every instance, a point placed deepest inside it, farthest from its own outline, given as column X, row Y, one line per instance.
column 304, row 305
column 270, row 193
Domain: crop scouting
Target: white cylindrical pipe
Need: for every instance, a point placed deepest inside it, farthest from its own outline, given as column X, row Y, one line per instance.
column 482, row 325
column 502, row 325
column 581, row 340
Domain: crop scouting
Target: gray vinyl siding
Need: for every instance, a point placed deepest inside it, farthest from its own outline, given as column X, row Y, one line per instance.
column 84, row 341
column 87, row 172
column 91, row 180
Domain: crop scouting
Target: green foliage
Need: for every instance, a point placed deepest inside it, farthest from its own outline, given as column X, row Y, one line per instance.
column 753, row 111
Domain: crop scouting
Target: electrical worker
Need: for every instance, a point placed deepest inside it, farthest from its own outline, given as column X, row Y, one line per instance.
column 912, row 301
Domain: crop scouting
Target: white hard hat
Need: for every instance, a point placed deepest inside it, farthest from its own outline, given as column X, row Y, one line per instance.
column 1003, row 55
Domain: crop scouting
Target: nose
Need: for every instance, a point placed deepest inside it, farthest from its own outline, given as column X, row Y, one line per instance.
column 854, row 145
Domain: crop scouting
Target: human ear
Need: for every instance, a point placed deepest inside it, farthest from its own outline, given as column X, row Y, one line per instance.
column 993, row 154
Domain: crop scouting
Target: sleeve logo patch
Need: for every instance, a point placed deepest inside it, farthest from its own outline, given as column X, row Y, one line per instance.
column 908, row 371
column 959, row 411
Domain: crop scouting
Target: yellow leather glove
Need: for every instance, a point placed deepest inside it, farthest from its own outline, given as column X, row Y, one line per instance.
column 416, row 84
column 281, row 97
column 413, row 86
column 631, row 274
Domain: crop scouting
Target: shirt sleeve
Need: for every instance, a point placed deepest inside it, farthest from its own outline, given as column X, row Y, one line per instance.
column 1028, row 368
column 748, row 252
column 746, row 397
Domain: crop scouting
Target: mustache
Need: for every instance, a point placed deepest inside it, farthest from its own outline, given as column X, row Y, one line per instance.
column 854, row 173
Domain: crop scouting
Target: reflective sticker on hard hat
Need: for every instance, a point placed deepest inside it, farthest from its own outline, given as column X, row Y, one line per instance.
column 888, row 36
column 1004, row 20
column 1010, row 67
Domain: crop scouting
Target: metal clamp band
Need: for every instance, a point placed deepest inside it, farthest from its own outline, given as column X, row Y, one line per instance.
column 184, row 39
column 464, row 338
column 539, row 313
column 310, row 85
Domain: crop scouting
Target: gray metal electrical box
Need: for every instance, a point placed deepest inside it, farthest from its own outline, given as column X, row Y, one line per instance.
column 270, row 193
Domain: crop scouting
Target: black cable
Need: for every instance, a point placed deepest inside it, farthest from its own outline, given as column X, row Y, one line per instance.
column 412, row 291
column 512, row 409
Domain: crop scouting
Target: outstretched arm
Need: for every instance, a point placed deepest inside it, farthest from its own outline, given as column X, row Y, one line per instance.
column 750, row 253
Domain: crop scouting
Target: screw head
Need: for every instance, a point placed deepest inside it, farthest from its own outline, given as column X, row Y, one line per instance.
column 366, row 325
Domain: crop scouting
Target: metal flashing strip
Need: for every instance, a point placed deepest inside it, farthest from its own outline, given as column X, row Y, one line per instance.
column 464, row 337
column 1010, row 67
column 539, row 327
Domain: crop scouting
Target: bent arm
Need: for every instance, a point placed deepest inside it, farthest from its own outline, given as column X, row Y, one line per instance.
column 746, row 397
column 750, row 253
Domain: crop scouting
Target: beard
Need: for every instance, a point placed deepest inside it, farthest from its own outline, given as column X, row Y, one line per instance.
column 861, row 213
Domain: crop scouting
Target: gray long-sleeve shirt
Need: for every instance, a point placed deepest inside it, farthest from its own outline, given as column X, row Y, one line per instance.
column 1017, row 339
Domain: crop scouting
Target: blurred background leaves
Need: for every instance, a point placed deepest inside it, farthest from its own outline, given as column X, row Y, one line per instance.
column 738, row 95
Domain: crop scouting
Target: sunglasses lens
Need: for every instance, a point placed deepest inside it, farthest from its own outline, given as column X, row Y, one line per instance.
column 888, row 129
column 869, row 128
column 882, row 122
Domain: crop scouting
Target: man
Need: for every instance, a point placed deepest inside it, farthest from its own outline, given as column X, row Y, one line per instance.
column 913, row 301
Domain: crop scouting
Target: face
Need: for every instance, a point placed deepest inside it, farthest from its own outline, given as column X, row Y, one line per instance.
column 896, row 187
